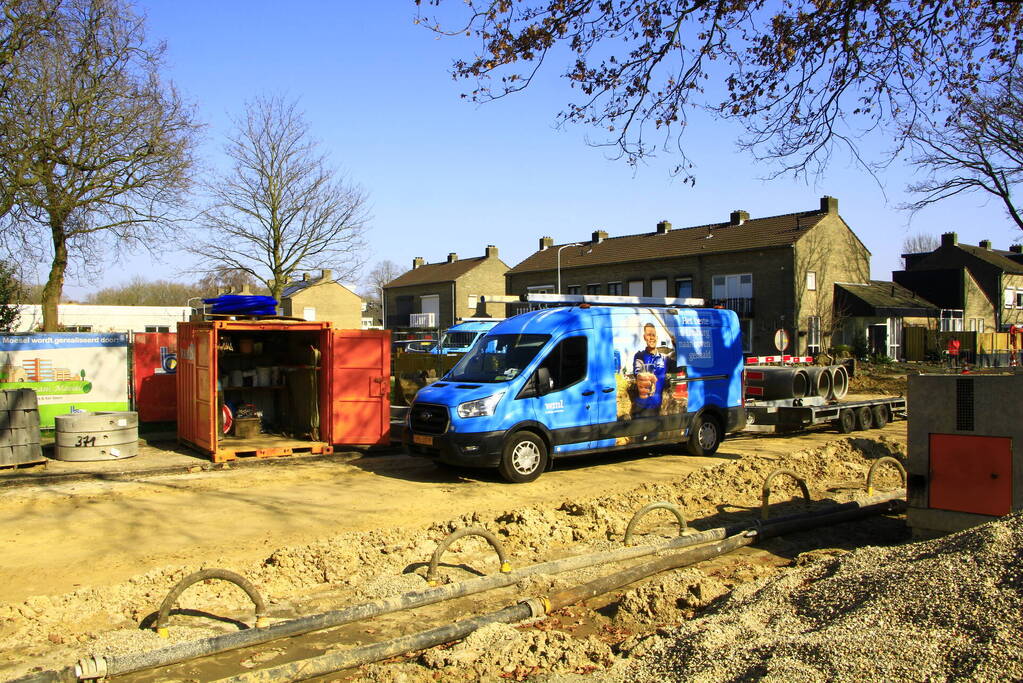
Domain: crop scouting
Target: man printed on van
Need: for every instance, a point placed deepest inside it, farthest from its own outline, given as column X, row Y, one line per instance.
column 651, row 368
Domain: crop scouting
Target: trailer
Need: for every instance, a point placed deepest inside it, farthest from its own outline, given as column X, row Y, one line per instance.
column 793, row 414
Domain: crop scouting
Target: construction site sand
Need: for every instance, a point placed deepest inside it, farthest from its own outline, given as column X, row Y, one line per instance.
column 52, row 631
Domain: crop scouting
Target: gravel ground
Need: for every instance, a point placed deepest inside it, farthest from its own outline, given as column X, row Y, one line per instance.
column 948, row 609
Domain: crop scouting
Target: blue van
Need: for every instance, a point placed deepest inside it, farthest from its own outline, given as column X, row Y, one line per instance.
column 581, row 379
column 460, row 338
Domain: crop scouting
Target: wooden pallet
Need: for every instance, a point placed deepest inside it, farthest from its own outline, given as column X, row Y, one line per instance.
column 267, row 446
column 7, row 466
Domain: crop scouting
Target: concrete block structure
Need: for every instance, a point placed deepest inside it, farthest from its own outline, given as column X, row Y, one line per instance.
column 965, row 464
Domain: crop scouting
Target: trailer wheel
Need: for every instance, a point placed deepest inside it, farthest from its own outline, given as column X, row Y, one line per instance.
column 846, row 421
column 880, row 416
column 524, row 458
column 864, row 418
column 704, row 436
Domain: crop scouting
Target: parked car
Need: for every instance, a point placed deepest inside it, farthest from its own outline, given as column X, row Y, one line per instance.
column 413, row 345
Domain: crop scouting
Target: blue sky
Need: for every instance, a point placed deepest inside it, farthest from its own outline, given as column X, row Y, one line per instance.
column 446, row 175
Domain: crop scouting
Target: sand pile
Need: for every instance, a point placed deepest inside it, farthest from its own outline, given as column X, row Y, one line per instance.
column 951, row 608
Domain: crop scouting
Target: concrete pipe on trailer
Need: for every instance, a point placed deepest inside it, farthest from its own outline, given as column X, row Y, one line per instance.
column 839, row 382
column 776, row 383
column 819, row 381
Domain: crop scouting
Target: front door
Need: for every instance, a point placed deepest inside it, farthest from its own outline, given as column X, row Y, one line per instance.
column 569, row 408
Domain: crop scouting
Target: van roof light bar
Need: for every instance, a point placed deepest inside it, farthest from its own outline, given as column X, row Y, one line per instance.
column 609, row 300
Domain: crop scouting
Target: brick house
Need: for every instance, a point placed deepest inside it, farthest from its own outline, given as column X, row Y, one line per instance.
column 875, row 314
column 776, row 272
column 977, row 288
column 322, row 298
column 436, row 295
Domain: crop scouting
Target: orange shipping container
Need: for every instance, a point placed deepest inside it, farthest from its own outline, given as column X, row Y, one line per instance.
column 311, row 386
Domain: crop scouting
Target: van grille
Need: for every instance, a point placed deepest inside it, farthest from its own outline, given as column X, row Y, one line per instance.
column 428, row 418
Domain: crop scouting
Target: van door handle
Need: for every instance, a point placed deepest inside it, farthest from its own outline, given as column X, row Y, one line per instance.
column 608, row 390
column 588, row 393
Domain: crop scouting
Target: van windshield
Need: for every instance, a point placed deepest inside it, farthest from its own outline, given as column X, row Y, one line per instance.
column 498, row 358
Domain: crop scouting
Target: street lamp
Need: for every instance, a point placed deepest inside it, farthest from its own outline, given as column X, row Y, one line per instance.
column 563, row 246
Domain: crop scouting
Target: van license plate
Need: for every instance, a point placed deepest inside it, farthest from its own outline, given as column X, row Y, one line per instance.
column 422, row 440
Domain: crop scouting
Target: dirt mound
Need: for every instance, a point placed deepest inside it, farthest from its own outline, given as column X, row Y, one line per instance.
column 947, row 609
column 356, row 566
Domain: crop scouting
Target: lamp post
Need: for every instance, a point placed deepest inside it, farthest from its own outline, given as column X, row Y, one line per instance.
column 563, row 246
column 383, row 311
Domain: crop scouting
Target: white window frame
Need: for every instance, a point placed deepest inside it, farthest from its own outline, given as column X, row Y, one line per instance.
column 732, row 286
column 663, row 283
column 611, row 286
column 948, row 321
column 631, row 287
column 1010, row 297
column 813, row 334
column 811, row 280
column 473, row 301
column 590, row 285
column 541, row 289
column 157, row 328
column 679, row 280
column 309, row 313
column 1019, row 298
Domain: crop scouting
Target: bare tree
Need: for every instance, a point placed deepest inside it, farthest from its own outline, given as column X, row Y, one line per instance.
column 919, row 243
column 227, row 278
column 802, row 76
column 978, row 150
column 282, row 207
column 378, row 276
column 101, row 145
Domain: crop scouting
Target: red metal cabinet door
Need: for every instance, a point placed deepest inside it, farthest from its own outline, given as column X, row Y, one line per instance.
column 360, row 387
column 971, row 473
column 154, row 363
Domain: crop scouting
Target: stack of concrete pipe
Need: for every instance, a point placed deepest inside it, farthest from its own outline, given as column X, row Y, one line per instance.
column 781, row 383
column 19, row 428
column 96, row 436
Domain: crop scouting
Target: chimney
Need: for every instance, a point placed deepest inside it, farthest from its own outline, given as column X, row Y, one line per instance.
column 546, row 243
column 1016, row 249
column 598, row 236
column 417, row 262
column 663, row 227
column 985, row 244
column 949, row 239
column 738, row 217
column 829, row 205
column 491, row 251
column 452, row 257
column 326, row 275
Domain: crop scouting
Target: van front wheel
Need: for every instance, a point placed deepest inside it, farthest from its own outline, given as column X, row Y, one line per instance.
column 704, row 436
column 524, row 458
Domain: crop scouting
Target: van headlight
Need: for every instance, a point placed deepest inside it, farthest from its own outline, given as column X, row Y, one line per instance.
column 480, row 407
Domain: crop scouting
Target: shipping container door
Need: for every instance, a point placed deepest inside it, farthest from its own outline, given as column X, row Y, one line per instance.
column 197, row 400
column 360, row 387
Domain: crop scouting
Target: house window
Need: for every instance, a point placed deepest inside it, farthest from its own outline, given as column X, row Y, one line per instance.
column 309, row 313
column 1019, row 298
column 746, row 326
column 1010, row 298
column 975, row 325
column 739, row 286
column 684, row 287
column 635, row 288
column 77, row 328
column 813, row 334
column 811, row 280
column 950, row 320
column 593, row 289
column 614, row 288
column 572, row 289
column 541, row 289
column 659, row 288
column 473, row 301
column 157, row 328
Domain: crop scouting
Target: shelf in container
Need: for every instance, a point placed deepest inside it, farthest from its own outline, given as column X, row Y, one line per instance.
column 276, row 386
